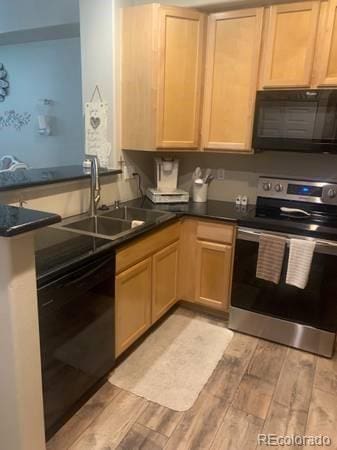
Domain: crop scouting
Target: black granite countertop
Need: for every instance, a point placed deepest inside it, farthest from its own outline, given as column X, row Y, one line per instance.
column 58, row 249
column 51, row 262
column 54, row 259
column 212, row 209
column 23, row 178
column 14, row 220
column 242, row 216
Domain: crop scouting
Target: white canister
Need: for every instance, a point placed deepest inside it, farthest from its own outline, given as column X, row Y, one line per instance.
column 200, row 191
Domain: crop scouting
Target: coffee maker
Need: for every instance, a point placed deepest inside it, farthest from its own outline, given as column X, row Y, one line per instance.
column 166, row 190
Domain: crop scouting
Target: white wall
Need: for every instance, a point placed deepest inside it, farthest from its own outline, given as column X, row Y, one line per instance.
column 51, row 70
column 97, row 38
column 25, row 14
column 100, row 28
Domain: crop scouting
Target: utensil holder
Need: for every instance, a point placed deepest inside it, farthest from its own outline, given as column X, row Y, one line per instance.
column 200, row 192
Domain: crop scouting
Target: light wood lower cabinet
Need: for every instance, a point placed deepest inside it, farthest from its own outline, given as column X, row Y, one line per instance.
column 165, row 280
column 133, row 304
column 145, row 289
column 213, row 274
column 189, row 260
column 206, row 261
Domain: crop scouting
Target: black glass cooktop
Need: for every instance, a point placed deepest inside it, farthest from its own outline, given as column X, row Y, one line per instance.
column 56, row 249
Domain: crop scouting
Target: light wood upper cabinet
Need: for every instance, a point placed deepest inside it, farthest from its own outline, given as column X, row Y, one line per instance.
column 162, row 67
column 181, row 57
column 133, row 304
column 289, row 44
column 232, row 63
column 165, row 280
column 328, row 62
column 214, row 262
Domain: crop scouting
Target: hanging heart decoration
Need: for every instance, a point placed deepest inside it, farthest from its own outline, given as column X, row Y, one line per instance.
column 95, row 122
column 4, row 85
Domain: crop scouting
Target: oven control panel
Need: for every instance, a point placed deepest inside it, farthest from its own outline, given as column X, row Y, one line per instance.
column 298, row 190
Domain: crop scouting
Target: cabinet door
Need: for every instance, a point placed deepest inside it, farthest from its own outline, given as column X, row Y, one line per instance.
column 214, row 268
column 133, row 304
column 165, row 280
column 180, row 75
column 232, row 61
column 290, row 44
column 328, row 73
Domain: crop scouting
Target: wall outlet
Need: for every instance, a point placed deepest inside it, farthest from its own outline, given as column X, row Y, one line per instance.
column 128, row 170
column 220, row 174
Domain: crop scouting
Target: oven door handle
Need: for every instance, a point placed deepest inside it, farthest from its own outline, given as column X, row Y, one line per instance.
column 292, row 211
column 322, row 245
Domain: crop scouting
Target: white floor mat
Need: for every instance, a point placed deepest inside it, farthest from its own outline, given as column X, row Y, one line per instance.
column 175, row 362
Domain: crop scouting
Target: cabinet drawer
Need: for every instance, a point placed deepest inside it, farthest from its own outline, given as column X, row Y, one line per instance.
column 132, row 253
column 216, row 232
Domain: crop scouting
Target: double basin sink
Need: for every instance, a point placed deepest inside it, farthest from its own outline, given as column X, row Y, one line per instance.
column 116, row 222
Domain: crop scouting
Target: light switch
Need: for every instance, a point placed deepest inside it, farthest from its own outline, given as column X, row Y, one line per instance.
column 220, row 174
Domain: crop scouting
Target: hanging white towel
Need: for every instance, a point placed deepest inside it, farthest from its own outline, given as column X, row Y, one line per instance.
column 299, row 264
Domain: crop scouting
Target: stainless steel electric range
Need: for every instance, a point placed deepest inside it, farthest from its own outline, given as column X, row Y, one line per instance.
column 301, row 318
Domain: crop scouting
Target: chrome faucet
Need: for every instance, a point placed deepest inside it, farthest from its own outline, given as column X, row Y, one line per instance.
column 95, row 186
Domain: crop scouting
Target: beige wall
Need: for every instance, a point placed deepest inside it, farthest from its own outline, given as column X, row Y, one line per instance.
column 68, row 199
column 21, row 406
column 242, row 172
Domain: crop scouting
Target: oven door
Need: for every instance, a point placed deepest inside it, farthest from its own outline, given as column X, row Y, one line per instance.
column 286, row 310
column 296, row 120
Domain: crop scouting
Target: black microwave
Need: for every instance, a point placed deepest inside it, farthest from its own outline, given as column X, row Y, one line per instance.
column 296, row 120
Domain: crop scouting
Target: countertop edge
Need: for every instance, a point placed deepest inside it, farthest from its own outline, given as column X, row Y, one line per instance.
column 37, row 220
column 65, row 179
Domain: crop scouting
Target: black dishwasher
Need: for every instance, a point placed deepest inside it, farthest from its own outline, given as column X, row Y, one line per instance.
column 76, row 317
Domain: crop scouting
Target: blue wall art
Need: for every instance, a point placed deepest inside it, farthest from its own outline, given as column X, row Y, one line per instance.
column 14, row 119
column 4, row 85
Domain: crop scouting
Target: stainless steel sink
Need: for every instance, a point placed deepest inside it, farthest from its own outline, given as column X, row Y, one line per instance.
column 101, row 225
column 131, row 213
column 116, row 222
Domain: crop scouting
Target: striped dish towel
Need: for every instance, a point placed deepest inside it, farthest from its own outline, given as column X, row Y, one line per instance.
column 270, row 258
column 299, row 264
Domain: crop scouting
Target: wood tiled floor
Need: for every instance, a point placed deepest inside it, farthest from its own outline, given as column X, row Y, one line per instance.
column 257, row 387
